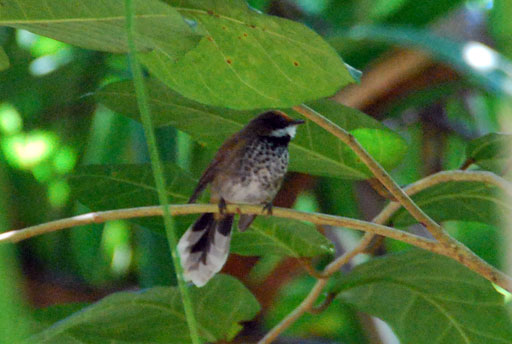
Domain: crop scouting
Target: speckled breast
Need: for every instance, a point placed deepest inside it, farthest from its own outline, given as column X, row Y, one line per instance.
column 260, row 174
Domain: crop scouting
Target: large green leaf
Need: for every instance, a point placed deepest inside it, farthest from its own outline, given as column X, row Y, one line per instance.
column 313, row 150
column 280, row 237
column 428, row 299
column 456, row 200
column 100, row 24
column 491, row 151
column 156, row 316
column 249, row 60
column 105, row 187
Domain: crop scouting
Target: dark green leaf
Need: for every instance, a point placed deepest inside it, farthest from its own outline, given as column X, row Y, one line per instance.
column 428, row 299
column 249, row 60
column 280, row 237
column 100, row 24
column 454, row 200
column 491, row 151
column 313, row 150
column 127, row 185
column 156, row 316
column 105, row 187
column 4, row 60
column 46, row 317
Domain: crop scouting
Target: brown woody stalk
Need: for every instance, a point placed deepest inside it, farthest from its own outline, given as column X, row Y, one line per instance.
column 474, row 262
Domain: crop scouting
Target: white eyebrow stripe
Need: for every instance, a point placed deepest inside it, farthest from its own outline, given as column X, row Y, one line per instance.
column 290, row 131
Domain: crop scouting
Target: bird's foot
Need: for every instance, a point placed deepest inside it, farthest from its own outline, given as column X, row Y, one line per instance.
column 222, row 206
column 268, row 208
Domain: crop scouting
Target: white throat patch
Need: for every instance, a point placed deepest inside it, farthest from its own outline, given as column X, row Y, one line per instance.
column 290, row 131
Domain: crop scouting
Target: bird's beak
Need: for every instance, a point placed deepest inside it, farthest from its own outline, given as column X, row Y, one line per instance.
column 297, row 122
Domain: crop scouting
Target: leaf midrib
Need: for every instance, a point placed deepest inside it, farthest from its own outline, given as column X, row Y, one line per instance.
column 129, row 182
column 80, row 20
column 459, row 327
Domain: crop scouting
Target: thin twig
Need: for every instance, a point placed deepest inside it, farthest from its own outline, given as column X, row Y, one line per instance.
column 185, row 209
column 466, row 164
column 475, row 264
column 306, row 264
column 379, row 172
column 455, row 249
column 443, row 177
column 307, row 304
column 324, row 305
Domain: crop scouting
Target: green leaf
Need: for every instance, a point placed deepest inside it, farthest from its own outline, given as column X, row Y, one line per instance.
column 500, row 26
column 280, row 237
column 313, row 150
column 491, row 151
column 428, row 299
column 249, row 60
column 106, row 187
column 100, row 24
column 43, row 318
column 127, row 185
column 4, row 60
column 156, row 316
column 456, row 200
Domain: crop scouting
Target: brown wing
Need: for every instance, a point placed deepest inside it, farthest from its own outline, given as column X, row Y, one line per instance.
column 229, row 152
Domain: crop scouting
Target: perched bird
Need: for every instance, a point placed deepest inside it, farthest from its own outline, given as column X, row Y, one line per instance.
column 248, row 168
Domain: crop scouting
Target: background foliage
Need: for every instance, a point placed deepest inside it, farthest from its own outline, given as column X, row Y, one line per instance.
column 70, row 142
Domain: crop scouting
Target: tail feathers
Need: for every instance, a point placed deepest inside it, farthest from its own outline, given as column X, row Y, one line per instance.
column 204, row 248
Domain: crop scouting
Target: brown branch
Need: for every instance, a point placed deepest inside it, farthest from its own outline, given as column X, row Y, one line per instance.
column 379, row 172
column 317, row 218
column 456, row 252
column 307, row 304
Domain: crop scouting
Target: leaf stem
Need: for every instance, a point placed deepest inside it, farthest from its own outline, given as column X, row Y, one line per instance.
column 379, row 172
column 142, row 101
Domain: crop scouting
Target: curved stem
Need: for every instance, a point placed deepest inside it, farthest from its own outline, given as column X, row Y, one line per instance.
column 443, row 177
column 145, row 115
column 317, row 218
column 379, row 172
column 475, row 263
column 455, row 249
column 308, row 303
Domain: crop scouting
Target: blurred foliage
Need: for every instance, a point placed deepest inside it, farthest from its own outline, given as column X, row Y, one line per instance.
column 53, row 122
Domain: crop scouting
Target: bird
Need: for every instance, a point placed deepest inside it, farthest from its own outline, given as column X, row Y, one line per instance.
column 248, row 168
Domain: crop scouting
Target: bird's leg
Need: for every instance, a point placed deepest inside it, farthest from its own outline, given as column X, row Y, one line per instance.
column 267, row 207
column 222, row 206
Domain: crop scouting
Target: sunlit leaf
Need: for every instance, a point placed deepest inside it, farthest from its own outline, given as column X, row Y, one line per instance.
column 249, row 60
column 4, row 60
column 156, row 316
column 105, row 187
column 491, row 151
column 480, row 62
column 312, row 151
column 100, row 24
column 428, row 299
column 456, row 200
